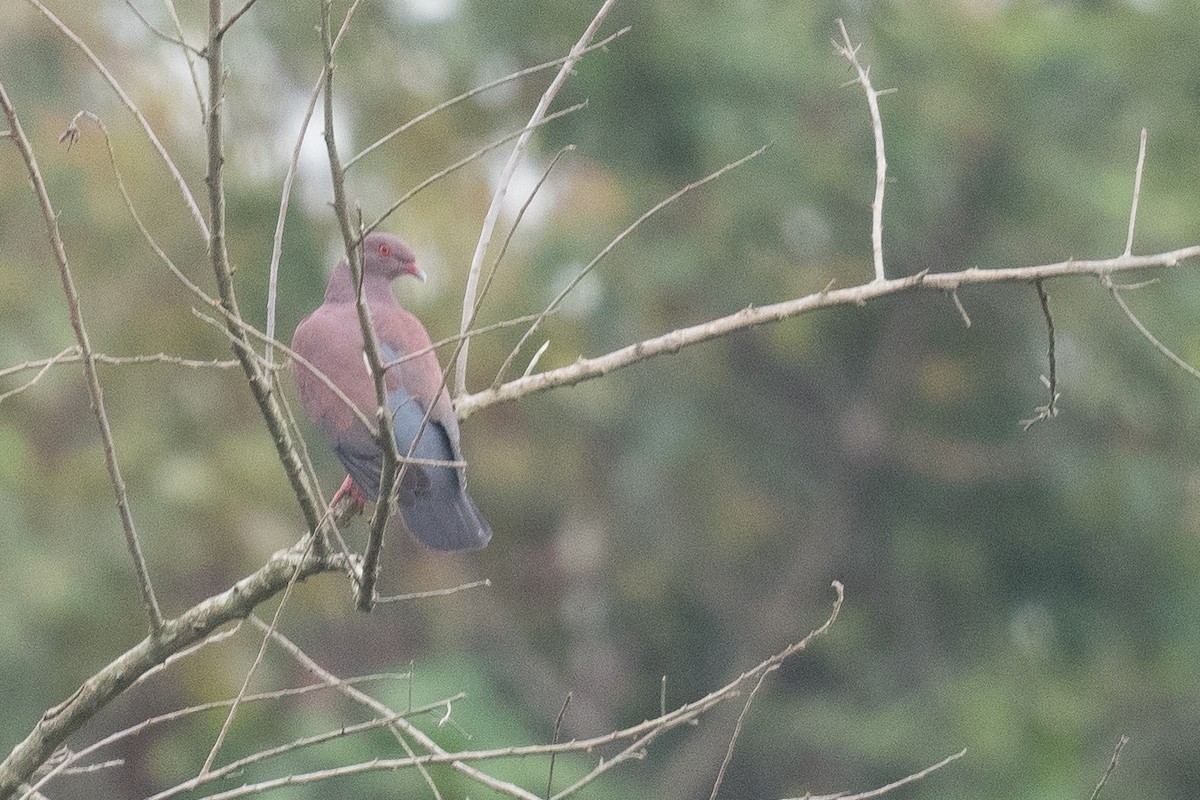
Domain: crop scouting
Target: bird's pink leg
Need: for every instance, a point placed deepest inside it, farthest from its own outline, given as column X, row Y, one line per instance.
column 348, row 488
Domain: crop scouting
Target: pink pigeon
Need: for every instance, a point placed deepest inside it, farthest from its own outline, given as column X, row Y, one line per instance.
column 432, row 499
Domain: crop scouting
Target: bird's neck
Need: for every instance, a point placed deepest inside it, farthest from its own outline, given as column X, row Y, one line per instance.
column 340, row 289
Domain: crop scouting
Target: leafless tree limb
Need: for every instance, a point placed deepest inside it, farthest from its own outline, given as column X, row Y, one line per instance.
column 557, row 301
column 512, row 76
column 260, row 382
column 639, row 735
column 1137, row 191
column 89, row 364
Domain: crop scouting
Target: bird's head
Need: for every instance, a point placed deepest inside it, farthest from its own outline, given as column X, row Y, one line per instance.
column 384, row 254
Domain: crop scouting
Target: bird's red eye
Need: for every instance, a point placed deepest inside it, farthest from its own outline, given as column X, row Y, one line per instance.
column 385, row 250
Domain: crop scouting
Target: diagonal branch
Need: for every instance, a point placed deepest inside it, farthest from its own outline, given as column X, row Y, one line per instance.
column 89, row 363
column 510, row 168
column 243, row 349
column 392, row 470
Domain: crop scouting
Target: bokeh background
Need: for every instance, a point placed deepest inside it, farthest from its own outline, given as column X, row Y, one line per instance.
column 1030, row 596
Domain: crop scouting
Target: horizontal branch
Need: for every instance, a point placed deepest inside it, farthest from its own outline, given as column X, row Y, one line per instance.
column 586, row 368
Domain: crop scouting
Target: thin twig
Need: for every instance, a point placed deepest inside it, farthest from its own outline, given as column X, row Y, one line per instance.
column 187, row 54
column 462, row 162
column 137, row 113
column 70, row 354
column 962, row 310
column 1050, row 410
column 882, row 790
column 1112, row 765
column 659, row 206
column 587, row 368
column 178, row 41
column 737, row 730
column 1142, row 329
column 89, row 365
column 285, row 196
column 562, row 712
column 502, row 183
column 512, row 230
column 307, row 741
column 245, row 688
column 462, row 587
column 1137, row 191
column 471, row 93
column 72, row 134
column 234, row 17
column 850, row 52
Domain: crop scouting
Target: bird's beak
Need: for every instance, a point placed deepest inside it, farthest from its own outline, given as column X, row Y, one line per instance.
column 416, row 271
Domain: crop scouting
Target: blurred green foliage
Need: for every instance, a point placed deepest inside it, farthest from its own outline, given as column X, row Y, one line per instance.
column 1028, row 596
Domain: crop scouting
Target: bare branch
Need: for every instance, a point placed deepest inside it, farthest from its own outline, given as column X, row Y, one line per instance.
column 737, row 730
column 462, row 162
column 638, row 735
column 587, row 368
column 486, row 582
column 166, row 37
column 286, row 194
column 510, row 168
column 73, row 134
column 245, row 688
column 234, row 17
column 70, row 354
column 89, row 364
column 392, row 471
column 187, row 54
column 260, row 383
column 850, row 52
